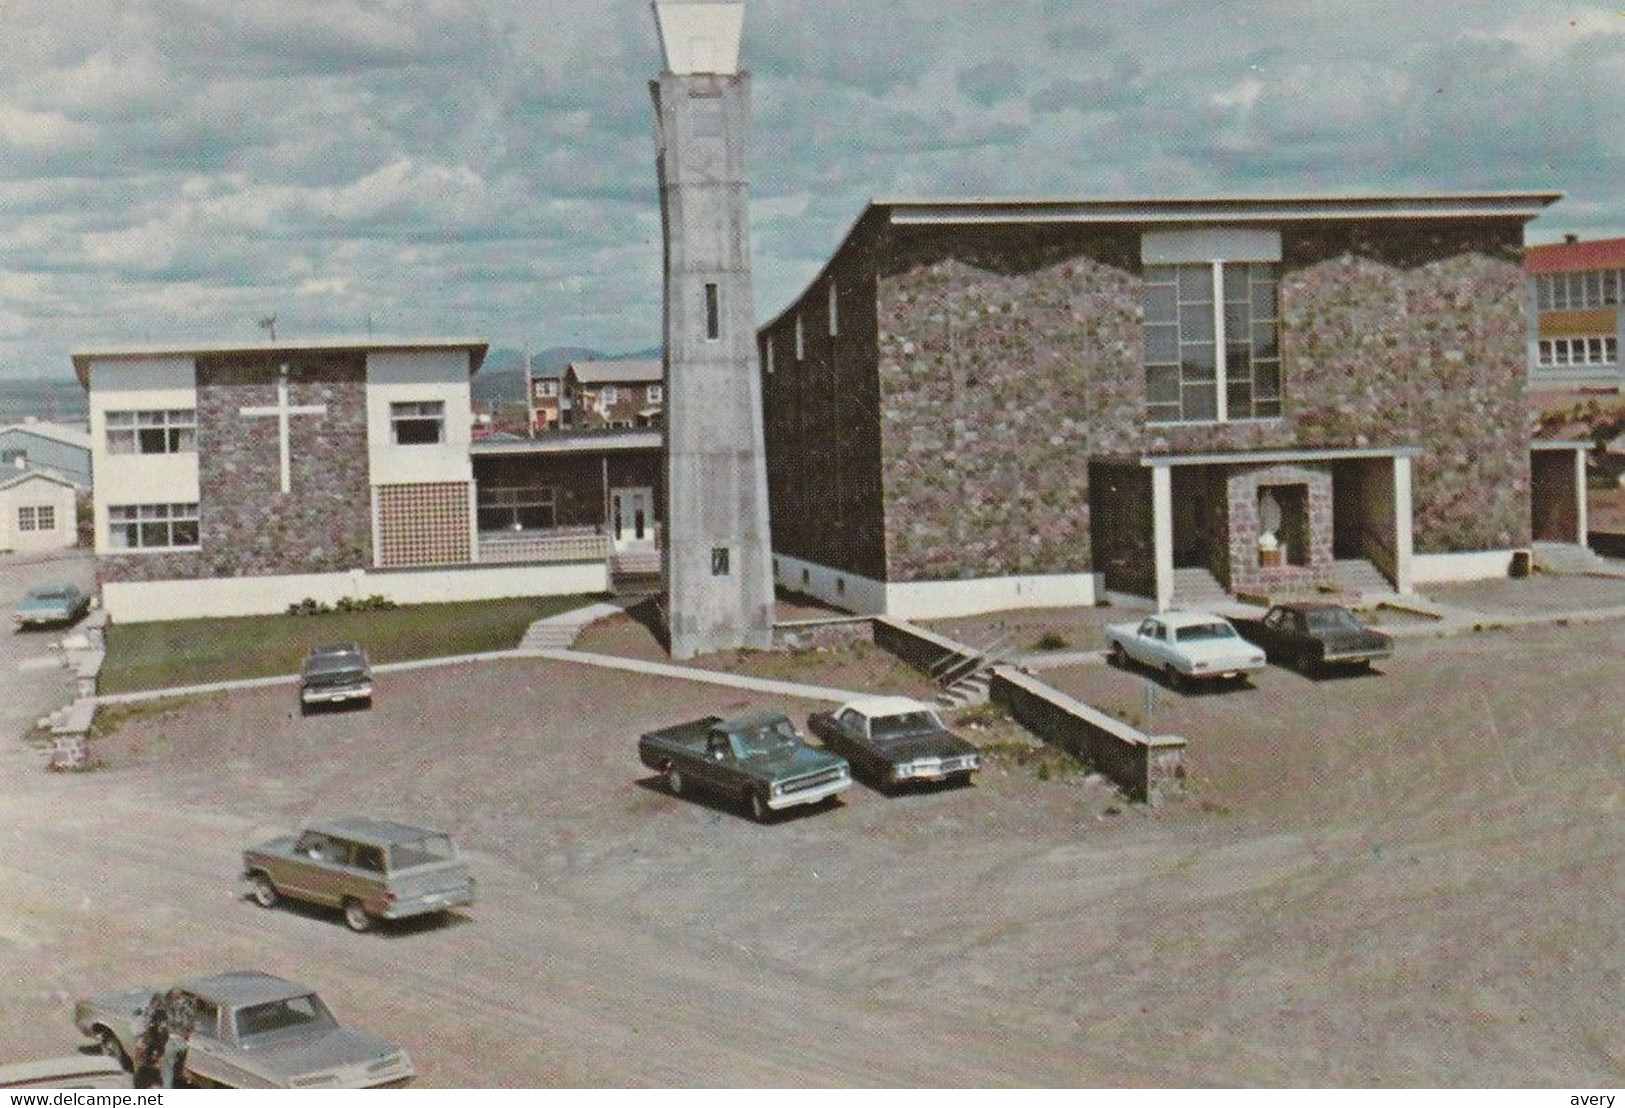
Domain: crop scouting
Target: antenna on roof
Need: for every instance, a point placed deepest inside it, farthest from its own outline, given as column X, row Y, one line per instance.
column 268, row 323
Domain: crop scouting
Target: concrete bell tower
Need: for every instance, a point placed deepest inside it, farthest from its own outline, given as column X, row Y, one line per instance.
column 718, row 553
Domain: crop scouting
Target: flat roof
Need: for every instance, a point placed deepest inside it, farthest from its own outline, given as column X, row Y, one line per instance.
column 1241, row 209
column 571, row 442
column 627, row 369
column 82, row 358
column 56, row 432
column 1253, row 457
column 1209, row 209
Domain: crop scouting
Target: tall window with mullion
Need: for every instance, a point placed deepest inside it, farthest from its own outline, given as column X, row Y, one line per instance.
column 152, row 526
column 418, row 422
column 1189, row 347
column 168, row 431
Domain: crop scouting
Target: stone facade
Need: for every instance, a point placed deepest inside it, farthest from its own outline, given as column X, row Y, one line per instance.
column 247, row 526
column 1245, row 486
column 1002, row 359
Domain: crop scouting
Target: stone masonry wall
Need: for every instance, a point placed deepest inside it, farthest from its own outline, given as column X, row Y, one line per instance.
column 1008, row 357
column 1244, row 486
column 247, row 526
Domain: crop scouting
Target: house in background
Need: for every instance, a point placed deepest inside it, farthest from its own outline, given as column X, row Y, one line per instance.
column 38, row 512
column 544, row 393
column 614, row 395
column 41, row 447
column 987, row 404
column 1577, row 314
column 239, row 479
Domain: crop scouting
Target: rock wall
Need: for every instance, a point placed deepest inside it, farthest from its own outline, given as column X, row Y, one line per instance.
column 1007, row 358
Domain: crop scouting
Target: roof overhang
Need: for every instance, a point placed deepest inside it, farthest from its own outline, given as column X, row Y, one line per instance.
column 1231, row 210
column 81, row 359
column 1560, row 444
column 562, row 442
column 1269, row 457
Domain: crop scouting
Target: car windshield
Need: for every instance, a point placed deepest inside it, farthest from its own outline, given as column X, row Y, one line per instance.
column 908, row 723
column 421, row 852
column 765, row 738
column 1333, row 619
column 327, row 664
column 299, row 1012
column 49, row 593
column 1200, row 632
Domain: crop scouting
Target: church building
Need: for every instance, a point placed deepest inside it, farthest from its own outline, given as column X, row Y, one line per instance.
column 984, row 404
column 237, row 480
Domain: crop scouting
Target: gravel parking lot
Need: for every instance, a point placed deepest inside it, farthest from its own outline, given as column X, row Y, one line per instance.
column 1413, row 878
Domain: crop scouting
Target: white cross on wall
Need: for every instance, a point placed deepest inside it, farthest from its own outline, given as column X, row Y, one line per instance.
column 282, row 410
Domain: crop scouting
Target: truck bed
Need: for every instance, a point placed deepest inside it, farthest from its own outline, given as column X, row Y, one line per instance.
column 686, row 739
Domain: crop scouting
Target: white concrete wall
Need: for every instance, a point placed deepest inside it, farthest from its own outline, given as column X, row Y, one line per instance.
column 419, row 375
column 34, row 494
column 934, row 599
column 1472, row 565
column 139, row 384
column 213, row 597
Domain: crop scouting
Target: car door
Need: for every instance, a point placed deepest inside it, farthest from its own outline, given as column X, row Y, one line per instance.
column 717, row 767
column 1275, row 631
column 317, row 863
column 1148, row 642
column 851, row 732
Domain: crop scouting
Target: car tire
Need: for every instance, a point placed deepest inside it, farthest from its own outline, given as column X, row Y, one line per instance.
column 674, row 780
column 1303, row 663
column 265, row 894
column 356, row 917
column 759, row 811
column 1117, row 656
column 108, row 1044
column 1176, row 680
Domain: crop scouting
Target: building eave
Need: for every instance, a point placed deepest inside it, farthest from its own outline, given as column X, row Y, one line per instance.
column 476, row 348
column 556, row 442
column 1268, row 457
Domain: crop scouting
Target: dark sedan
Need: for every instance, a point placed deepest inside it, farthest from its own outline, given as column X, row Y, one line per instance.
column 894, row 741
column 1312, row 637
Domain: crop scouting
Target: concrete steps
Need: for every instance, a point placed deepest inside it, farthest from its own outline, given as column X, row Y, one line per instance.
column 1196, row 588
column 967, row 691
column 1359, row 575
column 1569, row 557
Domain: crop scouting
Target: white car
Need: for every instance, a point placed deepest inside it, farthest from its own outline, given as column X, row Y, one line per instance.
column 1185, row 646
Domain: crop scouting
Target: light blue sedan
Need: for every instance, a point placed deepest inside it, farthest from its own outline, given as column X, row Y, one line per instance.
column 45, row 605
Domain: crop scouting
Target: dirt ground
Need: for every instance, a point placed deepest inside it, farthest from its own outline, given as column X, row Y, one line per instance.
column 859, row 666
column 1415, row 878
column 1036, row 629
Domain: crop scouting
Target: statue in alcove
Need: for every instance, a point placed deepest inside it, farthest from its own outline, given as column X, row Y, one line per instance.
column 1270, row 551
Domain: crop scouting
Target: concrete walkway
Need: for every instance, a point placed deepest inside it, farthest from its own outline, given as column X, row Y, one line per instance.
column 560, row 631
column 603, row 661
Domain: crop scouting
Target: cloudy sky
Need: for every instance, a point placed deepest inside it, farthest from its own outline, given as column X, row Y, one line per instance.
column 176, row 169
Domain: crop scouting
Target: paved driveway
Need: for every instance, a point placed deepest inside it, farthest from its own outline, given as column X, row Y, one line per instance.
column 29, row 686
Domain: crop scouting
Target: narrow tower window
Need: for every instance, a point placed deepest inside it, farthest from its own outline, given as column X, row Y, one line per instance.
column 713, row 313
column 834, row 311
column 801, row 341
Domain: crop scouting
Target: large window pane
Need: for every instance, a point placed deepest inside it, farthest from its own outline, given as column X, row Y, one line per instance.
column 1201, row 402
column 1162, row 343
column 1162, row 384
column 1161, row 304
column 1196, row 284
column 1199, row 363
column 1196, row 322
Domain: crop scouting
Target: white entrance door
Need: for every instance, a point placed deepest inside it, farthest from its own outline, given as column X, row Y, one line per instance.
column 631, row 519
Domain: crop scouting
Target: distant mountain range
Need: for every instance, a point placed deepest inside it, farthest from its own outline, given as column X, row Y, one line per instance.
column 500, row 380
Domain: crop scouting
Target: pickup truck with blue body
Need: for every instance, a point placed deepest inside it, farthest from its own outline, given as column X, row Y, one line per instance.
column 759, row 760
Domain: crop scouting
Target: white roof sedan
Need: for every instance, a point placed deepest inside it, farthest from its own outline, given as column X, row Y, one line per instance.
column 1185, row 645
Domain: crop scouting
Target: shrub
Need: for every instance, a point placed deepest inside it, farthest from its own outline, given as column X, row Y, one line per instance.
column 1051, row 640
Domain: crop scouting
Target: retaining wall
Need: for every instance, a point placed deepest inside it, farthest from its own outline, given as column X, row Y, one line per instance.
column 1146, row 767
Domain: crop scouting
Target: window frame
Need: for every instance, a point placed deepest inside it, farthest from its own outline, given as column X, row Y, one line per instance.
column 146, row 432
column 713, row 312
column 1215, row 338
column 138, row 521
column 423, row 413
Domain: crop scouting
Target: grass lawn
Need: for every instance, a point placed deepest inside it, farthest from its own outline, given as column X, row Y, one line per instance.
column 194, row 651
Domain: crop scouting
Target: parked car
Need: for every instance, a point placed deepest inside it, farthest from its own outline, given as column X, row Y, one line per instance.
column 893, row 740
column 335, row 675
column 252, row 1031
column 1311, row 636
column 1185, row 646
column 47, row 605
column 370, row 869
column 758, row 759
column 73, row 1072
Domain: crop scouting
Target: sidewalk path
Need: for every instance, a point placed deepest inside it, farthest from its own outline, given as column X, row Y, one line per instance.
column 605, row 661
